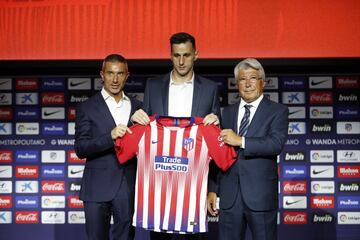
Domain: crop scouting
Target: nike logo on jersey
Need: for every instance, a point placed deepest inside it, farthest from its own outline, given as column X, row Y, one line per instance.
column 154, row 141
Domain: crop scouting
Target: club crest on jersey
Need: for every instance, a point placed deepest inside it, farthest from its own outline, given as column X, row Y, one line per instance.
column 188, row 144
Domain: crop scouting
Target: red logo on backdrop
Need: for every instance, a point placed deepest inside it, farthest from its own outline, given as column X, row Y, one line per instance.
column 26, row 84
column 295, row 218
column 347, row 82
column 71, row 113
column 321, row 98
column 6, row 113
column 5, row 202
column 348, row 171
column 75, row 202
column 27, row 171
column 53, row 98
column 6, row 156
column 53, row 186
column 73, row 158
column 27, row 217
column 294, row 187
column 322, row 202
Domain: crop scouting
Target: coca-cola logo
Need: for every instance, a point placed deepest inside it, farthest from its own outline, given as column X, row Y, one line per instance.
column 53, row 98
column 321, row 98
column 294, row 187
column 27, row 217
column 295, row 218
column 53, row 186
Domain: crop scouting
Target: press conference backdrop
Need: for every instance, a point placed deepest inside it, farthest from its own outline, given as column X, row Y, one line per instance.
column 319, row 168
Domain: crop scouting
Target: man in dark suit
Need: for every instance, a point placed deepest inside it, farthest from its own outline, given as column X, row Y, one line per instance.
column 180, row 93
column 107, row 187
column 248, row 191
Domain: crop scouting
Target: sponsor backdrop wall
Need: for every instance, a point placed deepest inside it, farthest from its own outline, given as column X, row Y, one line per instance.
column 319, row 169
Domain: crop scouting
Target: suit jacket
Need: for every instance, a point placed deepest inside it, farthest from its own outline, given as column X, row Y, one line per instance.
column 205, row 96
column 103, row 173
column 255, row 171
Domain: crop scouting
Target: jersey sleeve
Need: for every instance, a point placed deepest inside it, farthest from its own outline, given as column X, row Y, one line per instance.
column 127, row 146
column 223, row 154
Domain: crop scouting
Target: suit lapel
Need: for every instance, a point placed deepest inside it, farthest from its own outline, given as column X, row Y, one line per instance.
column 165, row 90
column 235, row 116
column 196, row 96
column 258, row 117
column 104, row 111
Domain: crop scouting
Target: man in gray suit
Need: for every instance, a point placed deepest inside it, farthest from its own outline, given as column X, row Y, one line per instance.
column 180, row 93
column 248, row 191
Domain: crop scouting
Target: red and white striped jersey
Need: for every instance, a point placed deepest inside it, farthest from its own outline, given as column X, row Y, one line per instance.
column 172, row 171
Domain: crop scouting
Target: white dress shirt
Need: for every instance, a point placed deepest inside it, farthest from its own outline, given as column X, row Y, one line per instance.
column 180, row 97
column 120, row 111
column 254, row 106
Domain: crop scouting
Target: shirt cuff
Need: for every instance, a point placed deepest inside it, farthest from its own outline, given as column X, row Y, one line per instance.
column 243, row 142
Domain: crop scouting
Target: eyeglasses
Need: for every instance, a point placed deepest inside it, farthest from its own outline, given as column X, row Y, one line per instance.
column 252, row 79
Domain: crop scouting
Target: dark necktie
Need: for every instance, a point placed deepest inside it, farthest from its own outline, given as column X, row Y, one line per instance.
column 245, row 121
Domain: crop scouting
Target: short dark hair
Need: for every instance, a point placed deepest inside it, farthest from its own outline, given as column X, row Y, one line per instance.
column 114, row 58
column 182, row 37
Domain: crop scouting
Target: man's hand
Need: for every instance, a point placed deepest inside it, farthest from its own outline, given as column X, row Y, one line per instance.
column 211, row 203
column 140, row 117
column 119, row 131
column 211, row 119
column 230, row 137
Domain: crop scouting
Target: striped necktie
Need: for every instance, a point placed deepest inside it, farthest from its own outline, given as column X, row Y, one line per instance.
column 244, row 125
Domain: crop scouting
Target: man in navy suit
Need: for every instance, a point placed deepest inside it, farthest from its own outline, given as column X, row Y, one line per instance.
column 107, row 187
column 248, row 191
column 180, row 93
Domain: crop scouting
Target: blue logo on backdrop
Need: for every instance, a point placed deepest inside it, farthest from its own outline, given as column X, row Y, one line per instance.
column 294, row 171
column 348, row 202
column 52, row 171
column 347, row 112
column 53, row 128
column 26, row 201
column 27, row 113
column 27, row 156
column 53, row 83
column 293, row 82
